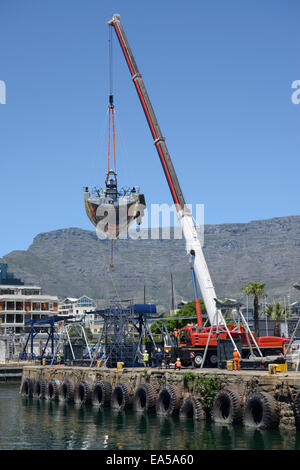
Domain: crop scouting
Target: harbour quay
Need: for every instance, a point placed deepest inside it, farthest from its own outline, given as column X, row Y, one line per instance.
column 11, row 372
column 253, row 398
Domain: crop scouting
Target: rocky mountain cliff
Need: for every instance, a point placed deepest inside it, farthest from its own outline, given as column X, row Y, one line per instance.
column 73, row 262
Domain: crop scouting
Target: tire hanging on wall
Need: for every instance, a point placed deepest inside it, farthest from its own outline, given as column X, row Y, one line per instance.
column 168, row 401
column 52, row 391
column 101, row 394
column 261, row 411
column 121, row 398
column 227, row 407
column 297, row 410
column 145, row 398
column 27, row 388
column 40, row 387
column 66, row 391
column 192, row 408
column 83, row 393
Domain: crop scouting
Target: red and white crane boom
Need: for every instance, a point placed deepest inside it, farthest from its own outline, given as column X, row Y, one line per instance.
column 193, row 244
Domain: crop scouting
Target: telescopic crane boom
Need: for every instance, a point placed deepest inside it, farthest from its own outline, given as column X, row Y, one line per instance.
column 193, row 244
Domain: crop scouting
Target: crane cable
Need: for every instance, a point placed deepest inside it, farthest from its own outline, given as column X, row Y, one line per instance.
column 111, row 121
column 114, row 286
column 111, row 117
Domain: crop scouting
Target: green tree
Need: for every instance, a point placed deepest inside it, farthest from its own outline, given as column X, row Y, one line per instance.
column 277, row 312
column 188, row 310
column 256, row 289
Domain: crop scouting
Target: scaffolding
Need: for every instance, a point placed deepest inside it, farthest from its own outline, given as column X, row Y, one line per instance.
column 125, row 326
column 78, row 336
column 48, row 325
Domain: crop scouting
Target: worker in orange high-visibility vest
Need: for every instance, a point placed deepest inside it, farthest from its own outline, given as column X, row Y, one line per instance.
column 178, row 364
column 236, row 359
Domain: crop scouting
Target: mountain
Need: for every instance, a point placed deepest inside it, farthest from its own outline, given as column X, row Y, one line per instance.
column 73, row 262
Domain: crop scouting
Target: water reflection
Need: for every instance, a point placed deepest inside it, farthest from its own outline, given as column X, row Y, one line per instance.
column 166, row 426
column 99, row 417
column 30, row 423
column 141, row 422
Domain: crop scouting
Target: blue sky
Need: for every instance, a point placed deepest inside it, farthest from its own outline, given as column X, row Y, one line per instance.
column 219, row 76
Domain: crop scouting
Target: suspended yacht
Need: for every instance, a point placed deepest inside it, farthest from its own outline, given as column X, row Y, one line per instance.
column 112, row 211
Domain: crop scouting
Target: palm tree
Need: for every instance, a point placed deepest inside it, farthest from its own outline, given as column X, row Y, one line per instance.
column 277, row 312
column 257, row 289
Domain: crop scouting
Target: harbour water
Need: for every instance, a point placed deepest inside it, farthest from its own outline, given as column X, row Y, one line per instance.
column 30, row 424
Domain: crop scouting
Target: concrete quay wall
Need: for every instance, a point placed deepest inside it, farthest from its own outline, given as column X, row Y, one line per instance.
column 282, row 386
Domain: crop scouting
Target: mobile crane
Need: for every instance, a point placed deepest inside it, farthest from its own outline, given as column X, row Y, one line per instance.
column 196, row 337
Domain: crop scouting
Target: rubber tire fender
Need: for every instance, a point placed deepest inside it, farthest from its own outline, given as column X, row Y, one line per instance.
column 227, row 407
column 27, row 387
column 168, row 401
column 192, row 408
column 145, row 395
column 105, row 390
column 83, row 393
column 296, row 407
column 52, row 391
column 66, row 391
column 121, row 398
column 261, row 411
column 40, row 388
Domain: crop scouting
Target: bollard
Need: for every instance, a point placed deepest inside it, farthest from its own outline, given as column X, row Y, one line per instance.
column 272, row 369
column 44, row 361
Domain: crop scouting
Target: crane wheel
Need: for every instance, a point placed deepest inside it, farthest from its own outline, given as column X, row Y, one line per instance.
column 168, row 401
column 192, row 408
column 198, row 359
column 297, row 410
column 227, row 407
column 82, row 393
column 52, row 390
column 40, row 387
column 261, row 411
column 66, row 391
column 101, row 394
column 121, row 398
column 27, row 388
column 145, row 398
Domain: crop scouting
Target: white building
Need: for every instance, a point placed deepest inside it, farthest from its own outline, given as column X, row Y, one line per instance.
column 78, row 308
column 19, row 303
